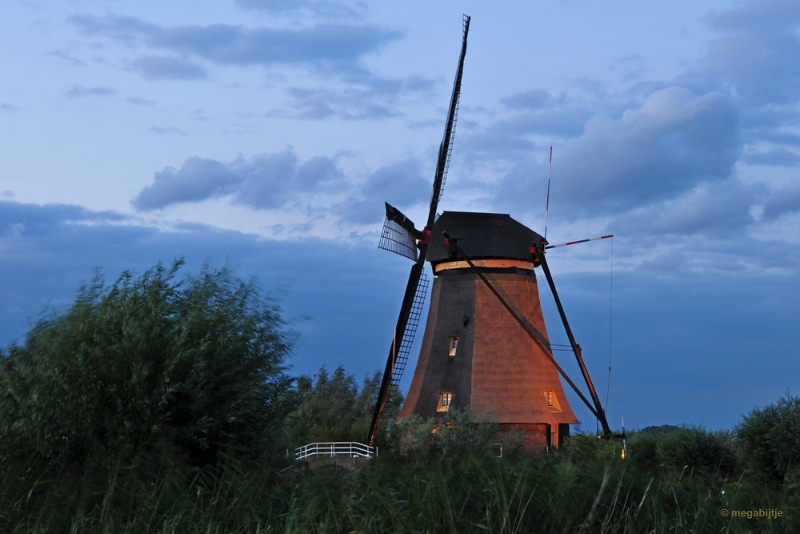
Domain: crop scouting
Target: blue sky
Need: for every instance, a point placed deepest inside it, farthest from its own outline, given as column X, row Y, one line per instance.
column 266, row 135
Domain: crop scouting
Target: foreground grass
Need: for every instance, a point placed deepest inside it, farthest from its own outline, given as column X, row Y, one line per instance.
column 585, row 488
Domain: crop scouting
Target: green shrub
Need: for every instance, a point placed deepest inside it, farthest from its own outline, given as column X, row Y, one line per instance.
column 460, row 434
column 770, row 437
column 195, row 364
column 696, row 449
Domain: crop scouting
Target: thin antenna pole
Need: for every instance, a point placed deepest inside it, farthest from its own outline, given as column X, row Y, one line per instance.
column 610, row 321
column 547, row 205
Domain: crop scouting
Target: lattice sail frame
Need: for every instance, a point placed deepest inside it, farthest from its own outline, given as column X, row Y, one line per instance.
column 397, row 239
column 410, row 332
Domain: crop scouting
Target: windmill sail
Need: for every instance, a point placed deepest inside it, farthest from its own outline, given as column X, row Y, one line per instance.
column 392, row 372
column 399, row 235
column 404, row 349
column 397, row 239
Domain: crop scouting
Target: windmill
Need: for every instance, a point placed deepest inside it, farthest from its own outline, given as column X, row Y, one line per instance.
column 485, row 344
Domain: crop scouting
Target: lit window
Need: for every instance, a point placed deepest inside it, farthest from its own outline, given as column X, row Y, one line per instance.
column 445, row 399
column 552, row 400
column 453, row 345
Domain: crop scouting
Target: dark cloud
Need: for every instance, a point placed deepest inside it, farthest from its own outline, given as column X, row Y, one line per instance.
column 535, row 112
column 682, row 318
column 400, row 184
column 44, row 268
column 319, row 7
column 769, row 117
column 532, row 99
column 196, row 180
column 778, row 157
column 265, row 181
column 333, row 50
column 66, row 57
column 366, row 96
column 755, row 54
column 317, row 104
column 36, row 220
column 168, row 68
column 169, row 130
column 79, row 91
column 717, row 210
column 339, row 44
column 137, row 101
column 7, row 107
column 784, row 200
column 126, row 29
column 673, row 142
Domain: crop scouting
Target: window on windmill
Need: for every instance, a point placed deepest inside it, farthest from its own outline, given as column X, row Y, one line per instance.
column 453, row 345
column 445, row 399
column 552, row 400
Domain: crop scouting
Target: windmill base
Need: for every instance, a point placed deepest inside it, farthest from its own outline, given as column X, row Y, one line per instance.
column 536, row 437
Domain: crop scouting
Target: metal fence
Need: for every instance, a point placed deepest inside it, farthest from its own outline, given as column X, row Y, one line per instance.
column 349, row 449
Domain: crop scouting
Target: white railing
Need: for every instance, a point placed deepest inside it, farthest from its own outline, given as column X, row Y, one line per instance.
column 349, row 449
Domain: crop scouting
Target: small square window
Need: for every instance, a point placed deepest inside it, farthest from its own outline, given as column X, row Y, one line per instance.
column 445, row 399
column 453, row 345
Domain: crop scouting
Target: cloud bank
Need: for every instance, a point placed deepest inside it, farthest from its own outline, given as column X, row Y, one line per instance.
column 266, row 181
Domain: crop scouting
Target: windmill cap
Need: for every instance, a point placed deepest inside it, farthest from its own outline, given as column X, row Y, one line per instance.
column 482, row 236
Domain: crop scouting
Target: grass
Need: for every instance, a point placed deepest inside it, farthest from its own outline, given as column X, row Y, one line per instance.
column 580, row 489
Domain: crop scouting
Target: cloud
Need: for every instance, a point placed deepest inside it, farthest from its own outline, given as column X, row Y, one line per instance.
column 45, row 268
column 37, row 220
column 534, row 113
column 332, row 50
column 531, row 99
column 401, row 184
column 320, row 8
column 7, row 107
column 777, row 157
column 66, row 57
column 317, row 104
column 716, row 210
column 264, row 182
column 756, row 53
column 673, row 142
column 784, row 200
column 683, row 321
column 169, row 130
column 325, row 44
column 137, row 101
column 196, row 180
column 168, row 68
column 79, row 91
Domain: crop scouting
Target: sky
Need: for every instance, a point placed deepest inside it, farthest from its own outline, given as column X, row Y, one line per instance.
column 265, row 135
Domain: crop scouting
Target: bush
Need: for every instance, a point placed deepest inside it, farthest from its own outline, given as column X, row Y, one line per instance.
column 195, row 365
column 460, row 434
column 770, row 437
column 658, row 449
column 696, row 449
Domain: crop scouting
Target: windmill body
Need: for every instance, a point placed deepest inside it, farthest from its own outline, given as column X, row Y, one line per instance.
column 485, row 345
column 474, row 354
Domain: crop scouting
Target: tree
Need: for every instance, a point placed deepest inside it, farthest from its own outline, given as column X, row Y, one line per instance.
column 770, row 437
column 195, row 364
column 330, row 407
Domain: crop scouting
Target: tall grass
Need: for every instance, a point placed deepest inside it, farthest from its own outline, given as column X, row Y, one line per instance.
column 583, row 488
